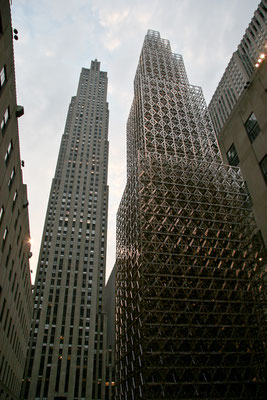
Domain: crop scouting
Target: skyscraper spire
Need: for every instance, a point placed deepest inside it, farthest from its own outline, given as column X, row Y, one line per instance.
column 188, row 286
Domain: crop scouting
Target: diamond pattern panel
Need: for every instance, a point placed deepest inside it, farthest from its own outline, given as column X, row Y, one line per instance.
column 189, row 306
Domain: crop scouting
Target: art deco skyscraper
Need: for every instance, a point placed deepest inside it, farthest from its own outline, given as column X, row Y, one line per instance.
column 189, row 323
column 65, row 351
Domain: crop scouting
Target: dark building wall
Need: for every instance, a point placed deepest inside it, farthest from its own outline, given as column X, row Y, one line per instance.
column 15, row 281
column 109, row 307
column 109, row 310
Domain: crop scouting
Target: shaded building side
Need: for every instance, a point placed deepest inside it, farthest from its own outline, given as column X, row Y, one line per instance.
column 243, row 142
column 15, row 281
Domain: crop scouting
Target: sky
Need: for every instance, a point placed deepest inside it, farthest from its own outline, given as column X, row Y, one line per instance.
column 59, row 37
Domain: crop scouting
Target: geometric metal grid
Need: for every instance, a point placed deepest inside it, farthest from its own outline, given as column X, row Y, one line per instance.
column 189, row 286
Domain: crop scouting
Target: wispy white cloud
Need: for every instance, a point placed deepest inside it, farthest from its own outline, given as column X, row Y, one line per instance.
column 58, row 38
column 111, row 43
column 112, row 19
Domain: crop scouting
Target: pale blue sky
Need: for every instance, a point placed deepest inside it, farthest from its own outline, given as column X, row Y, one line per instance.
column 59, row 37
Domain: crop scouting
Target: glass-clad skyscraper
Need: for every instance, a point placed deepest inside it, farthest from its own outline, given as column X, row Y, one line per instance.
column 189, row 320
column 66, row 343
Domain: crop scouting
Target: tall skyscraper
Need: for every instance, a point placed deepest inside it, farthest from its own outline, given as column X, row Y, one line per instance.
column 66, row 343
column 189, row 320
column 15, row 281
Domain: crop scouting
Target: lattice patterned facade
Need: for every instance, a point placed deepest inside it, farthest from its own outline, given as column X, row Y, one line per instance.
column 189, row 320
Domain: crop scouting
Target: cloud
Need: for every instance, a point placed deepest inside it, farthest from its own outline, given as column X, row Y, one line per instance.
column 111, row 22
column 58, row 38
column 49, row 53
column 110, row 42
column 113, row 19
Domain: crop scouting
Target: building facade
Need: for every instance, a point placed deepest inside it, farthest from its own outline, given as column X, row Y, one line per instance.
column 243, row 142
column 15, row 281
column 66, row 343
column 238, row 111
column 109, row 309
column 189, row 320
column 240, row 69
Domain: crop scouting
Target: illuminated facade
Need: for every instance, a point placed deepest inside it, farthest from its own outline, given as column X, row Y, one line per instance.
column 189, row 321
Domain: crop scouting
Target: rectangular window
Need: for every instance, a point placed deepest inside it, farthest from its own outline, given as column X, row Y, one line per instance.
column 232, row 156
column 2, row 76
column 252, row 127
column 263, row 167
column 249, row 197
column 5, row 119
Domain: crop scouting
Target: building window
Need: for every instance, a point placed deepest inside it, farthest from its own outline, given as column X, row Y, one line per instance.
column 232, row 156
column 5, row 119
column 2, row 76
column 263, row 167
column 252, row 127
